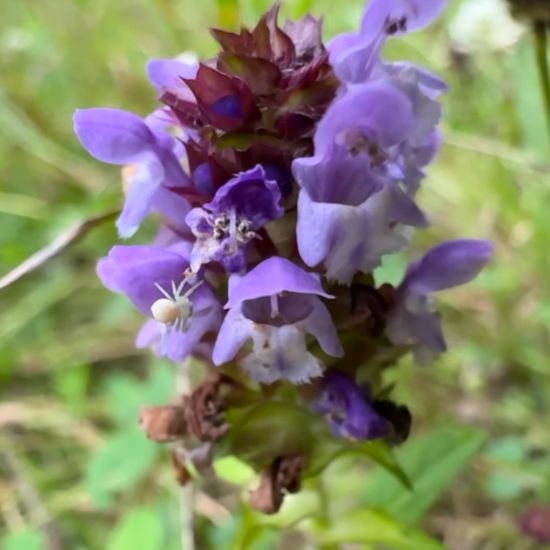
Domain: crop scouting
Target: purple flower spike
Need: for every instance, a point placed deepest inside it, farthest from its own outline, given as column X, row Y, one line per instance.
column 225, row 226
column 276, row 305
column 181, row 310
column 120, row 137
column 413, row 319
column 348, row 410
column 354, row 55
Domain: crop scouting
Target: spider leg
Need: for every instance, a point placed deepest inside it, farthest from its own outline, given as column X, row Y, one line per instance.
column 185, row 280
column 164, row 292
column 192, row 289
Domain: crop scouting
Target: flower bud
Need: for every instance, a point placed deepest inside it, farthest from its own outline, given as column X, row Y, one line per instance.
column 284, row 475
column 164, row 423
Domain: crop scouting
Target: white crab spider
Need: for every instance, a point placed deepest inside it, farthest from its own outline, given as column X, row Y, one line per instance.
column 175, row 310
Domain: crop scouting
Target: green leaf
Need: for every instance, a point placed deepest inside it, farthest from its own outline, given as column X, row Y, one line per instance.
column 431, row 462
column 292, row 430
column 221, row 535
column 242, row 532
column 233, row 470
column 529, row 100
column 127, row 394
column 71, row 384
column 377, row 451
column 508, row 449
column 244, row 140
column 503, row 485
column 511, row 472
column 371, row 527
column 139, row 528
column 28, row 539
column 296, row 507
column 119, row 465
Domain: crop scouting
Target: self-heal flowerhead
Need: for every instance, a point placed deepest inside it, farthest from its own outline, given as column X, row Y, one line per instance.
column 120, row 137
column 413, row 319
column 351, row 208
column 277, row 305
column 225, row 226
column 276, row 153
column 181, row 309
column 348, row 410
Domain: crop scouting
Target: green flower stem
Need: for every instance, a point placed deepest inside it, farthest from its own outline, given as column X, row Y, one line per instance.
column 325, row 514
column 541, row 48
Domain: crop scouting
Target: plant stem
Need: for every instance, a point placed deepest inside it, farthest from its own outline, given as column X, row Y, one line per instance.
column 539, row 31
column 325, row 513
column 183, row 387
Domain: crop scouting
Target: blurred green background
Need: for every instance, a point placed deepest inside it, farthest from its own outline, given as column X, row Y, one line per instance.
column 75, row 469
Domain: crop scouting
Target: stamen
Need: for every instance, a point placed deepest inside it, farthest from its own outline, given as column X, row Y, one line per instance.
column 274, row 306
column 357, row 142
column 394, row 26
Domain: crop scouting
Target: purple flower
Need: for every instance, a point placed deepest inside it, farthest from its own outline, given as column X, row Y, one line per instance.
column 275, row 305
column 181, row 311
column 413, row 320
column 168, row 74
column 225, row 226
column 350, row 204
column 348, row 410
column 415, row 157
column 354, row 55
column 120, row 137
column 535, row 523
column 422, row 144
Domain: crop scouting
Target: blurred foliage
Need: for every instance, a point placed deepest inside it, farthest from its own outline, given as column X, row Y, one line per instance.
column 75, row 471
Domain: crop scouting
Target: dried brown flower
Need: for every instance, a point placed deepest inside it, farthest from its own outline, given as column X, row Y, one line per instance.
column 165, row 423
column 200, row 414
column 284, row 475
column 204, row 409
